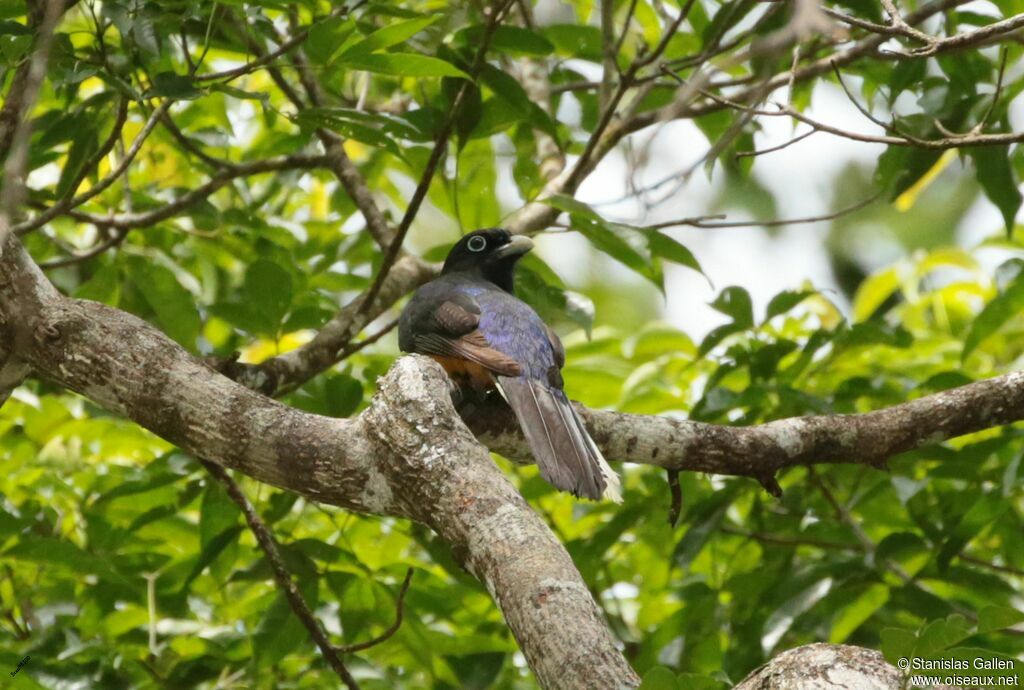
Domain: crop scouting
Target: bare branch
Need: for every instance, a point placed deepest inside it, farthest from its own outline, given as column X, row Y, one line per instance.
column 756, row 451
column 683, row 108
column 899, row 26
column 609, row 48
column 341, row 165
column 969, row 39
column 114, row 240
column 772, row 149
column 800, row 540
column 951, row 141
column 712, row 222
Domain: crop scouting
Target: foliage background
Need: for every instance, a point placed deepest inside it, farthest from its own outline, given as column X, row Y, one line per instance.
column 122, row 564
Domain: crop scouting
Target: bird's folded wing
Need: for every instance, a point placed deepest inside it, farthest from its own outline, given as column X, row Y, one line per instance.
column 472, row 346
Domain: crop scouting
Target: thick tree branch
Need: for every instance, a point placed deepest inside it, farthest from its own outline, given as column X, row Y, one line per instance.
column 761, row 451
column 408, row 455
column 824, row 667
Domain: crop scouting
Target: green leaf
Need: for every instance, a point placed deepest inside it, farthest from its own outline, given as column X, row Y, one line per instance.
column 900, row 167
column 874, row 292
column 280, row 631
column 784, row 301
column 668, row 248
column 997, row 179
column 82, row 149
column 576, row 40
column 268, row 290
column 350, row 128
column 508, row 89
column 10, row 9
column 174, row 306
column 217, row 512
column 210, row 552
column 178, row 87
column 897, row 644
column 327, row 37
column 703, row 520
column 942, row 634
column 659, row 678
column 1005, row 306
column 50, row 551
column 343, row 394
column 621, row 242
column 403, row 65
column 984, row 512
column 507, row 39
column 735, row 303
column 569, row 204
column 552, row 301
column 104, row 286
column 14, row 48
column 853, row 615
column 390, row 35
column 992, row 618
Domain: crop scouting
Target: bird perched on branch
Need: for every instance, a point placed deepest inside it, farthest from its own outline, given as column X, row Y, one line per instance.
column 486, row 338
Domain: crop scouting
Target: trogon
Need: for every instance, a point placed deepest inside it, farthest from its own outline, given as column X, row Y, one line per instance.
column 486, row 338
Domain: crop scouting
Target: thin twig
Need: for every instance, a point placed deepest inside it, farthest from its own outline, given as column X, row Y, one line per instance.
column 580, row 169
column 886, row 126
column 779, row 147
column 352, row 348
column 143, row 219
column 393, row 628
column 285, row 47
column 113, row 241
column 608, row 46
column 281, row 574
column 711, row 222
column 625, row 26
column 72, row 202
column 901, row 27
column 191, row 146
column 788, row 540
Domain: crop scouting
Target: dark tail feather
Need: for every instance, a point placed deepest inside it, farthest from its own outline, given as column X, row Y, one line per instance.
column 564, row 451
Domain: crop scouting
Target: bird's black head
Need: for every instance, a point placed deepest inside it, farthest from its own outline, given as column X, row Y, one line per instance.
column 490, row 254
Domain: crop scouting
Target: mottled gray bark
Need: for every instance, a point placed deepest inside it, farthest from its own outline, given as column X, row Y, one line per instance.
column 825, row 667
column 761, row 451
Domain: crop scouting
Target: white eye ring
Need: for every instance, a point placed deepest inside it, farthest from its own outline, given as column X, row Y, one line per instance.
column 476, row 243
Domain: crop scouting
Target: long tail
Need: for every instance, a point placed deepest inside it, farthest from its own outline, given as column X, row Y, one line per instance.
column 568, row 458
